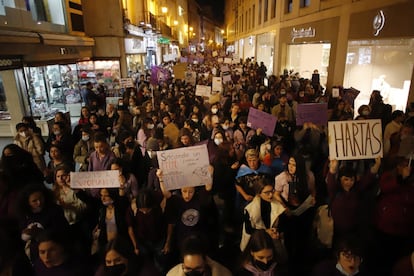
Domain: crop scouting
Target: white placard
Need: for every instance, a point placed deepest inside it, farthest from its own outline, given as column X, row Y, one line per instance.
column 96, row 179
column 184, row 167
column 126, row 82
column 227, row 60
column 203, row 90
column 217, row 84
column 359, row 139
column 335, row 92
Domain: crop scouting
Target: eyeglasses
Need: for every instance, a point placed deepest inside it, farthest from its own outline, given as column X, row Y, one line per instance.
column 349, row 257
column 269, row 192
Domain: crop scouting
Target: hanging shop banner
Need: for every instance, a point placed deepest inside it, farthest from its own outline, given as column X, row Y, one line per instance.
column 184, row 167
column 98, row 179
column 316, row 113
column 259, row 119
column 359, row 139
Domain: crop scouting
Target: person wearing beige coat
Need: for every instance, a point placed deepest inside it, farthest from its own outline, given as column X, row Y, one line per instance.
column 32, row 143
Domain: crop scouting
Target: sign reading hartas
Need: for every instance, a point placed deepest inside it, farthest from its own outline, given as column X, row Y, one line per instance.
column 98, row 179
column 184, row 167
column 259, row 119
column 316, row 113
column 359, row 139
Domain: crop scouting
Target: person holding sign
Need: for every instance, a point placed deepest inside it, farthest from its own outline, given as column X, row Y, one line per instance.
column 345, row 196
column 295, row 190
column 191, row 212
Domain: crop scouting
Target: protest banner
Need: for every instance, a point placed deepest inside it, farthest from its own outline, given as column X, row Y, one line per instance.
column 316, row 113
column 214, row 53
column 350, row 140
column 184, row 167
column 217, row 84
column 203, row 90
column 96, row 179
column 179, row 70
column 259, row 119
column 183, row 59
column 227, row 60
column 190, row 77
column 126, row 82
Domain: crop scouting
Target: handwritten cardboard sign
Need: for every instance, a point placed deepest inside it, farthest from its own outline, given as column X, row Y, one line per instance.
column 184, row 167
column 316, row 113
column 190, row 77
column 259, row 119
column 179, row 70
column 98, row 179
column 217, row 84
column 203, row 90
column 126, row 82
column 359, row 139
column 227, row 60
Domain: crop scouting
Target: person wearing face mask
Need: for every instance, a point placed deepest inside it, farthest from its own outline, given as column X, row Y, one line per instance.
column 83, row 149
column 259, row 257
column 59, row 137
column 26, row 140
column 196, row 262
column 37, row 212
column 348, row 261
column 146, row 131
column 120, row 260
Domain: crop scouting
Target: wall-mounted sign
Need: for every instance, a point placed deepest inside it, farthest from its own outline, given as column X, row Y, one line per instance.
column 378, row 23
column 302, row 33
column 10, row 62
column 64, row 51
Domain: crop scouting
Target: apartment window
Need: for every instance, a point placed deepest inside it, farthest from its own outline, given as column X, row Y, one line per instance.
column 265, row 9
column 260, row 12
column 253, row 15
column 48, row 10
column 289, row 6
column 273, row 12
column 304, row 3
column 250, row 14
column 245, row 23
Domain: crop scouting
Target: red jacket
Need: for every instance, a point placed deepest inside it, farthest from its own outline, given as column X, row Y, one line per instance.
column 395, row 207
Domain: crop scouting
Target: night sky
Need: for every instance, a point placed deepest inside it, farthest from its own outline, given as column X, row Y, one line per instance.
column 217, row 7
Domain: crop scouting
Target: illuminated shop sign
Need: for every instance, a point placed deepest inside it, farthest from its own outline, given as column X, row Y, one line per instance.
column 302, row 33
column 8, row 62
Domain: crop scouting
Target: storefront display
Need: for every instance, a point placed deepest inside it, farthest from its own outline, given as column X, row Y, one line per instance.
column 52, row 88
column 385, row 65
column 265, row 50
column 105, row 72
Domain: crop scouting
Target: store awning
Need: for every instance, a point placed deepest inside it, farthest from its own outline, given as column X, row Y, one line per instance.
column 19, row 37
column 66, row 40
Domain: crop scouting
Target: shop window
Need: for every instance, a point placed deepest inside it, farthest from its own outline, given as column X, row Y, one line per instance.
column 304, row 3
column 6, row 3
column 47, row 10
column 52, row 88
column 266, row 9
column 384, row 65
column 4, row 114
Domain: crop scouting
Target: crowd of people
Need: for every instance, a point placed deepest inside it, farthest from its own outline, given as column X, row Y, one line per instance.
column 256, row 217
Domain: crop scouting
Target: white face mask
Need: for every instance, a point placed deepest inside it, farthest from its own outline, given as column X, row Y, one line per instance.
column 218, row 141
column 225, row 127
column 22, row 134
column 195, row 120
column 85, row 138
column 57, row 132
column 150, row 126
column 214, row 110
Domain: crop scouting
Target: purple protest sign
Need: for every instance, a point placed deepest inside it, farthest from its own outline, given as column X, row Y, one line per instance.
column 259, row 119
column 316, row 113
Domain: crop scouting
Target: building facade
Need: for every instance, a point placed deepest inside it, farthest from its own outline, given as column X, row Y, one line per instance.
column 364, row 44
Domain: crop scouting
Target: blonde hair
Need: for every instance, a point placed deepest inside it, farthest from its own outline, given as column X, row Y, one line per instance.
column 251, row 153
